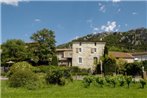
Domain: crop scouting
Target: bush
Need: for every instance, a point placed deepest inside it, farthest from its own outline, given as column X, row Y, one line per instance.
column 100, row 81
column 24, row 78
column 54, row 61
column 58, row 76
column 79, row 71
column 108, row 79
column 87, row 81
column 128, row 80
column 21, row 66
column 133, row 68
column 113, row 81
column 42, row 69
column 121, row 80
column 143, row 83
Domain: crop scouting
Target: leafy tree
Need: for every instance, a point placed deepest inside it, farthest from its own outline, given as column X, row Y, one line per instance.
column 109, row 64
column 105, row 51
column 54, row 61
column 120, row 64
column 14, row 50
column 44, row 49
column 133, row 68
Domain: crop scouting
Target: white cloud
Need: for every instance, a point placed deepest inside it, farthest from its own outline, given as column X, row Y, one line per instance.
column 37, row 20
column 102, row 7
column 96, row 29
column 134, row 13
column 115, row 1
column 110, row 26
column 126, row 25
column 12, row 2
column 76, row 37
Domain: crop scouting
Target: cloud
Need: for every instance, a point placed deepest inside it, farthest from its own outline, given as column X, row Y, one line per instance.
column 134, row 13
column 118, row 10
column 76, row 37
column 110, row 26
column 102, row 7
column 115, row 1
column 37, row 20
column 96, row 29
column 126, row 25
column 12, row 2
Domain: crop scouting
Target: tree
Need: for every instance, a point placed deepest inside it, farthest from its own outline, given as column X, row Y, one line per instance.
column 14, row 50
column 54, row 61
column 105, row 51
column 120, row 64
column 44, row 49
column 133, row 68
column 109, row 64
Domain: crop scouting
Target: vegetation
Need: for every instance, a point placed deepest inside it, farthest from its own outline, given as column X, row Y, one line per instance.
column 58, row 76
column 74, row 90
column 13, row 50
column 130, row 41
column 24, row 78
column 109, row 64
column 44, row 48
column 143, row 83
column 19, row 66
column 133, row 68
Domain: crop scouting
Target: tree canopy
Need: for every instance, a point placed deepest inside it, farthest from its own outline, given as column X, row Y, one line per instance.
column 13, row 50
column 44, row 48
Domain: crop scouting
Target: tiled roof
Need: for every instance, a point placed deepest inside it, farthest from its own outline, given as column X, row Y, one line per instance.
column 64, row 49
column 121, row 55
column 139, row 53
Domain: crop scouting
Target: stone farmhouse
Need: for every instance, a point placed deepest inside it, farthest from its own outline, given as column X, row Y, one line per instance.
column 82, row 54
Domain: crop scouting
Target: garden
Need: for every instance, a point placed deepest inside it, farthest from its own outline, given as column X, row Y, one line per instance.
column 27, row 81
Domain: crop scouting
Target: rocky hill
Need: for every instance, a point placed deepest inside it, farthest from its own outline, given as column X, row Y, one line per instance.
column 130, row 41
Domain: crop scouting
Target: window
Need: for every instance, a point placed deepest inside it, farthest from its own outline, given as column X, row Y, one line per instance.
column 80, row 60
column 93, row 50
column 78, row 50
column 95, row 60
column 80, row 44
column 62, row 55
column 95, row 43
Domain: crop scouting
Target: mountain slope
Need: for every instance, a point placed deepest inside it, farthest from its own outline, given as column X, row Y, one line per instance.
column 130, row 41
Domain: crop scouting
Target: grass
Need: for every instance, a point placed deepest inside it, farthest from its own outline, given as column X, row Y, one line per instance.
column 74, row 90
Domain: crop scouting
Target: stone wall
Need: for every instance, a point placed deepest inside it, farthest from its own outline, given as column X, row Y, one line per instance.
column 87, row 54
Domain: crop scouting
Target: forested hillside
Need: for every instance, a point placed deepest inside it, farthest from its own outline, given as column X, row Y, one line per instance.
column 130, row 41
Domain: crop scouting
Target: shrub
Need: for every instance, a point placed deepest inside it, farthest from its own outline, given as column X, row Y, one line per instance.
column 100, row 81
column 143, row 83
column 19, row 66
column 24, row 78
column 87, row 81
column 42, row 68
column 108, row 79
column 113, row 81
column 78, row 71
column 58, row 76
column 128, row 80
column 133, row 68
column 121, row 80
column 54, row 61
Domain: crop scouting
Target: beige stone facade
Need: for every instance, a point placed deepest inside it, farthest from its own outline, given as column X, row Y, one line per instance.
column 82, row 54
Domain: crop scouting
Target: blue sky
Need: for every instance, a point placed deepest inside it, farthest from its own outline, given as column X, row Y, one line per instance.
column 71, row 19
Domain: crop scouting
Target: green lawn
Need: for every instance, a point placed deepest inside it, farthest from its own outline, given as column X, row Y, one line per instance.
column 74, row 90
